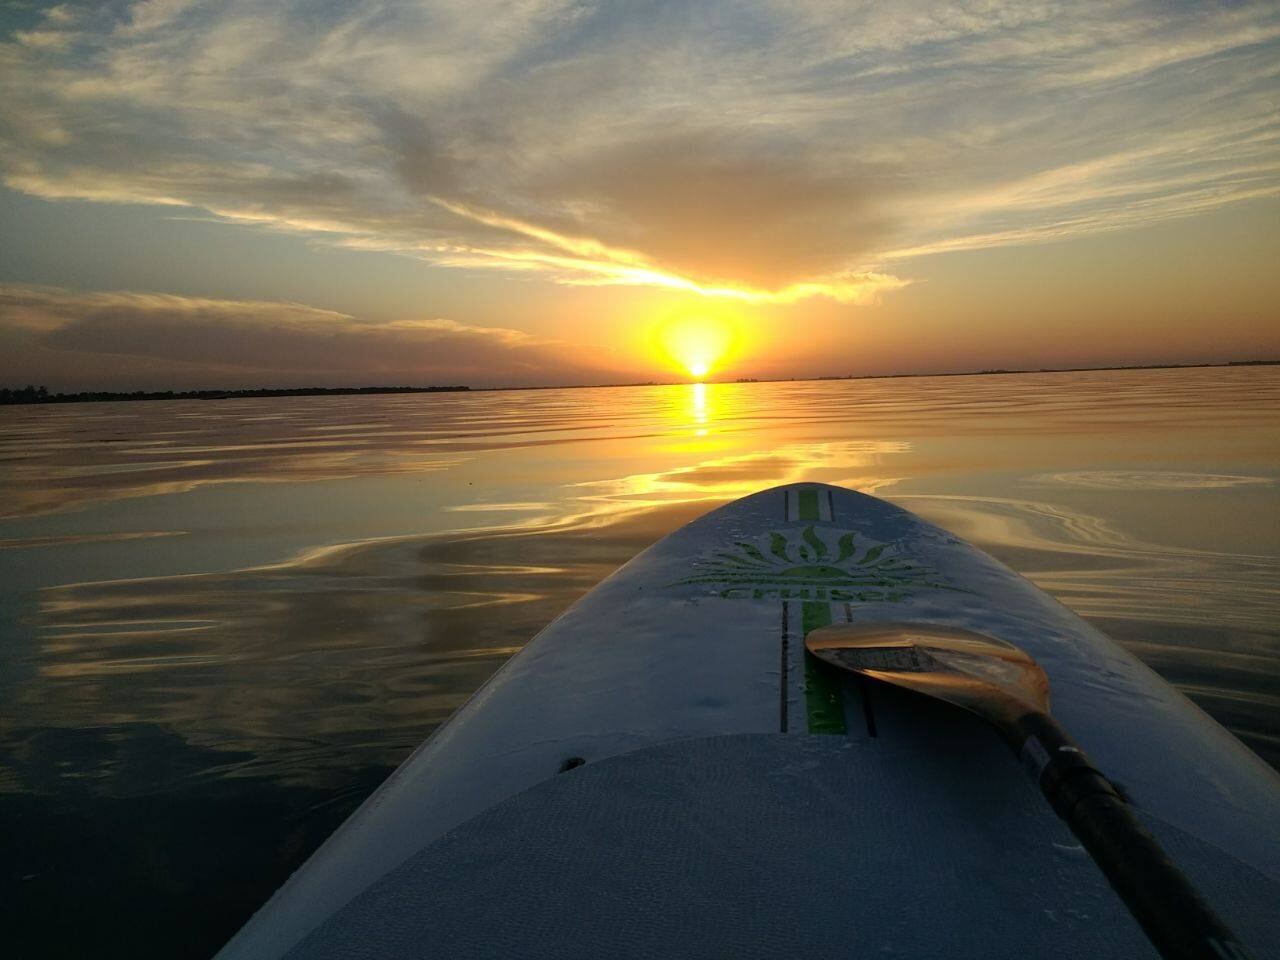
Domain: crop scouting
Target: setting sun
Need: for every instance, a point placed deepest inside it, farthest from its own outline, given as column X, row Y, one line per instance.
column 695, row 344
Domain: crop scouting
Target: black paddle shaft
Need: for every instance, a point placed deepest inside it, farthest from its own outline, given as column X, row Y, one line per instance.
column 1176, row 918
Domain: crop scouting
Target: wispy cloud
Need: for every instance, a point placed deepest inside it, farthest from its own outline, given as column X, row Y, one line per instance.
column 763, row 151
column 59, row 337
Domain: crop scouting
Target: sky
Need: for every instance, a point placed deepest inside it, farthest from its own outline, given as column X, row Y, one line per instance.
column 525, row 192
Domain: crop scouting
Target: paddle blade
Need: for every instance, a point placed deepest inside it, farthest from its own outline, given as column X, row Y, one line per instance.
column 982, row 674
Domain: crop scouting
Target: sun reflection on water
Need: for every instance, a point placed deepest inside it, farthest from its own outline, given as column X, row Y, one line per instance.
column 700, row 408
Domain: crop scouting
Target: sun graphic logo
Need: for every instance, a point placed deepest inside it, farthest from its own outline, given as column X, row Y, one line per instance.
column 812, row 563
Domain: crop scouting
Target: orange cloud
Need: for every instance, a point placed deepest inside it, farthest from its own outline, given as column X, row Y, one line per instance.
column 95, row 340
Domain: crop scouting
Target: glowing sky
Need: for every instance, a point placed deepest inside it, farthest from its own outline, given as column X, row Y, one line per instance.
column 255, row 192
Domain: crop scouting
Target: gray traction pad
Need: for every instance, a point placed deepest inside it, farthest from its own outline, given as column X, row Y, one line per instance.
column 759, row 846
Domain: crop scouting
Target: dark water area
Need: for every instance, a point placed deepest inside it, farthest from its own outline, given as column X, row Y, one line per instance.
column 222, row 624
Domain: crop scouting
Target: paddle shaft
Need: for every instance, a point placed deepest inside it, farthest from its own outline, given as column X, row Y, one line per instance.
column 1176, row 918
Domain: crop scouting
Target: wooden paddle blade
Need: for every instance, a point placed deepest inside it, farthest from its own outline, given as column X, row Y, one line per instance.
column 982, row 674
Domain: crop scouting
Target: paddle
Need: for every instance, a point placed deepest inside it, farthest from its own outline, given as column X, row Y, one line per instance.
column 1006, row 687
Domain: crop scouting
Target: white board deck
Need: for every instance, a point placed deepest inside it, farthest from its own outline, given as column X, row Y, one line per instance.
column 701, row 636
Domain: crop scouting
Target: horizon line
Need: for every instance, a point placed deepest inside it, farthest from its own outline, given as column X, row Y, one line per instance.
column 31, row 394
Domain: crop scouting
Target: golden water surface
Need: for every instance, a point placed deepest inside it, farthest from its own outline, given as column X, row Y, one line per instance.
column 222, row 622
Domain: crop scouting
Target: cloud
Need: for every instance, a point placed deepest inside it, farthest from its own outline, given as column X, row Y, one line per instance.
column 731, row 207
column 96, row 340
column 769, row 151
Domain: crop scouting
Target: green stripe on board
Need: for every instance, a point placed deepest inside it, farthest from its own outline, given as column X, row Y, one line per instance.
column 808, row 503
column 823, row 698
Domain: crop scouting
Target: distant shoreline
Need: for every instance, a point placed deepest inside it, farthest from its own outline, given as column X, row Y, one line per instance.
column 39, row 395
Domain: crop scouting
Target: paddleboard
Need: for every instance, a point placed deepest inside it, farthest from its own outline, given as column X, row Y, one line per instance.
column 665, row 772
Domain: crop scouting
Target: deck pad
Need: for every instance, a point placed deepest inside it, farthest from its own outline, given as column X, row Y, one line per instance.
column 645, row 856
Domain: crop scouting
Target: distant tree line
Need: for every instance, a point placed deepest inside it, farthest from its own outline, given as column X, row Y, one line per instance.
column 32, row 394
column 27, row 394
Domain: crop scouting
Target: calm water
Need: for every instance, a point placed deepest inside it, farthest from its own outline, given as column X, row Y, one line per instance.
column 223, row 623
